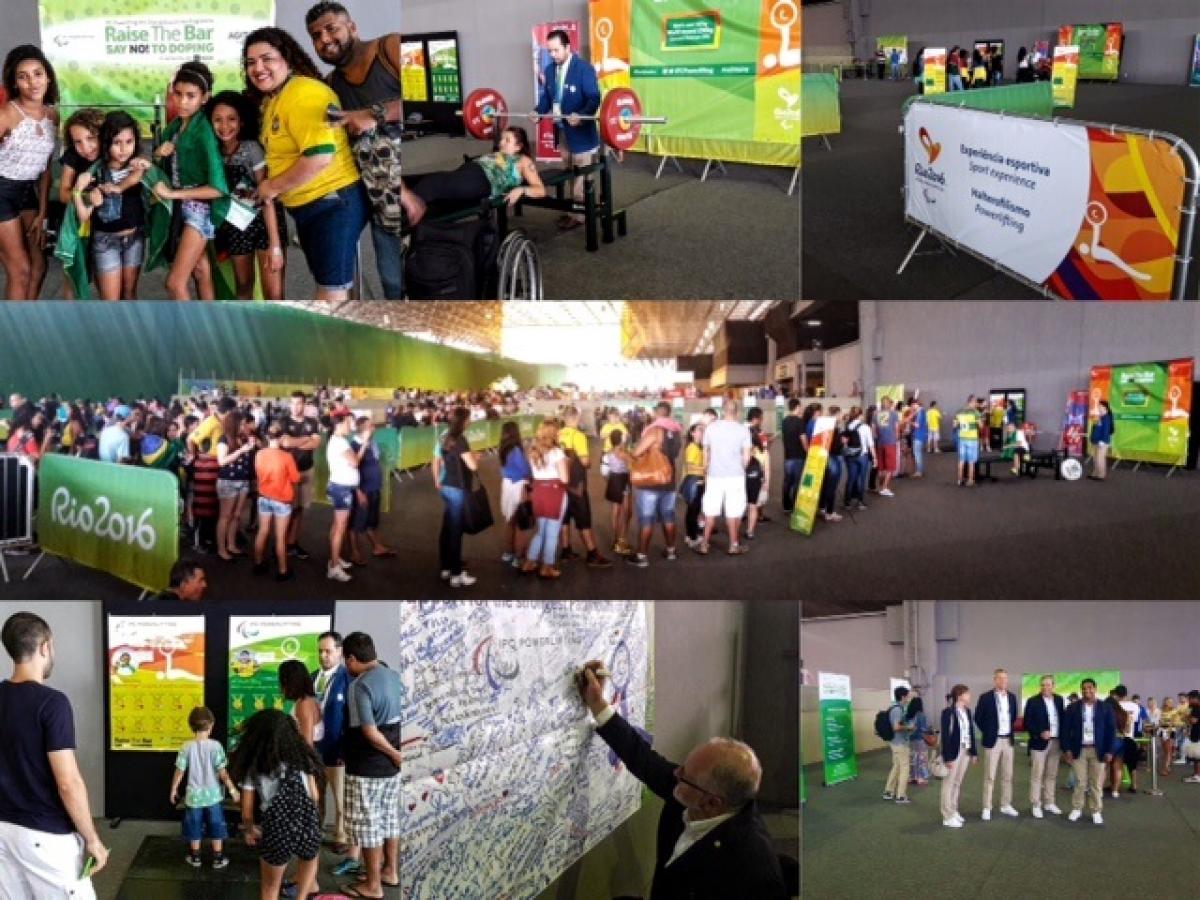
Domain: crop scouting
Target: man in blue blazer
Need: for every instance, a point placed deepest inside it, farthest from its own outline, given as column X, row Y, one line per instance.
column 996, row 716
column 570, row 90
column 331, row 682
column 1043, row 721
column 712, row 842
column 958, row 751
column 1089, row 730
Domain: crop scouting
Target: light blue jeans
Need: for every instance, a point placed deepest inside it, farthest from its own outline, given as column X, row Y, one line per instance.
column 919, row 455
column 545, row 541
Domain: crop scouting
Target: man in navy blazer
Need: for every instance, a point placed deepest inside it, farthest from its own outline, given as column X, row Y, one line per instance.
column 331, row 682
column 1088, row 733
column 996, row 717
column 1043, row 717
column 712, row 843
column 570, row 90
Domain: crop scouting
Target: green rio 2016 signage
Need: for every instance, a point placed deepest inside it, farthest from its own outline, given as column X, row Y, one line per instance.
column 122, row 520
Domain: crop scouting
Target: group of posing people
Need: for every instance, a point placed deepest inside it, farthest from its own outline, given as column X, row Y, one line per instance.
column 246, row 468
column 341, row 743
column 217, row 185
column 1097, row 738
column 724, row 463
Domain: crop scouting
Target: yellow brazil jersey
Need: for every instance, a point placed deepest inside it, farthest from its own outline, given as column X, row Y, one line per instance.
column 967, row 423
column 606, row 431
column 294, row 124
column 573, row 439
column 934, row 419
column 208, row 430
column 693, row 460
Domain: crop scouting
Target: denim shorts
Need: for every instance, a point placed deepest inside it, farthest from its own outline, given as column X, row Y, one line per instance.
column 328, row 230
column 340, row 496
column 198, row 215
column 111, row 252
column 197, row 820
column 269, row 507
column 654, row 506
column 968, row 451
column 231, row 490
column 16, row 197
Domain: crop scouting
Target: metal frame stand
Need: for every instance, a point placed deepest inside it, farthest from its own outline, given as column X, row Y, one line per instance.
column 942, row 247
column 662, row 164
column 1154, row 791
column 708, row 166
column 795, row 181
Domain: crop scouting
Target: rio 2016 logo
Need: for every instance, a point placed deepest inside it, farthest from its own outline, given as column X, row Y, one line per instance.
column 99, row 519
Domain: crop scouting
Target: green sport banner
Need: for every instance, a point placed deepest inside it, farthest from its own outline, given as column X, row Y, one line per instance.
column 258, row 645
column 1151, row 405
column 725, row 75
column 821, row 111
column 837, row 727
column 1099, row 48
column 1067, row 683
column 889, row 42
column 416, row 446
column 804, row 513
column 123, row 53
column 123, row 520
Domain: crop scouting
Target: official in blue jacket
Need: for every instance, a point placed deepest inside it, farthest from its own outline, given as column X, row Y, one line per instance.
column 331, row 682
column 1088, row 731
column 570, row 90
column 996, row 715
column 1043, row 717
column 958, row 751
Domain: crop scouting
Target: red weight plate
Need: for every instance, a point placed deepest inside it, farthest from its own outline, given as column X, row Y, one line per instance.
column 485, row 113
column 619, row 113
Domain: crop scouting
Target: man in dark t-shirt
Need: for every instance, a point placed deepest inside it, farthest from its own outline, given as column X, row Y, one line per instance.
column 301, row 438
column 44, row 807
column 793, row 453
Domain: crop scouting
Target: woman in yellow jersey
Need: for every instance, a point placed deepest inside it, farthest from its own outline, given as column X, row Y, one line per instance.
column 310, row 166
column 692, row 488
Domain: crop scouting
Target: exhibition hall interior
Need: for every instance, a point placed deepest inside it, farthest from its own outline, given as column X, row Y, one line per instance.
column 616, row 449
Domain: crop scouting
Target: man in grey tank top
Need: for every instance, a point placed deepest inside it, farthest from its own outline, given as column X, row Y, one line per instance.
column 366, row 78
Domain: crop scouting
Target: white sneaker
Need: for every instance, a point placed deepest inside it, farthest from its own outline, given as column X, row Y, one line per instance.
column 987, row 815
column 1193, row 779
column 1037, row 812
column 1052, row 809
column 952, row 823
column 886, row 493
column 345, row 565
column 337, row 573
column 1009, row 811
column 1116, row 794
column 1074, row 816
column 958, row 818
column 506, row 557
column 463, row 580
column 1097, row 819
column 446, row 573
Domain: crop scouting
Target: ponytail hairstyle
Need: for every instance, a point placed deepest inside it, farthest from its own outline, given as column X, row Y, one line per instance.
column 195, row 73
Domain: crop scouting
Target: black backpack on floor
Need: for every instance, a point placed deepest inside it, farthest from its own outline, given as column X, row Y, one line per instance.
column 453, row 261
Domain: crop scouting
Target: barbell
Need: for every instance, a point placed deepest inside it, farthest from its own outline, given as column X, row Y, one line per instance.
column 485, row 114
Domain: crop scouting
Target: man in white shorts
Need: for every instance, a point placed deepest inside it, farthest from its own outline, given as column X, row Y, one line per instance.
column 727, row 445
column 46, row 829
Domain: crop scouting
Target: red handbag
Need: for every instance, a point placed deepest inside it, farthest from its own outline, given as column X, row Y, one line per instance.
column 548, row 496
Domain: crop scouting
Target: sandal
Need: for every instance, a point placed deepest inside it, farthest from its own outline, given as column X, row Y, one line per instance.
column 353, row 891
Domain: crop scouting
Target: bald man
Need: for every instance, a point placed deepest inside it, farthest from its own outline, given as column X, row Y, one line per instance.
column 712, row 842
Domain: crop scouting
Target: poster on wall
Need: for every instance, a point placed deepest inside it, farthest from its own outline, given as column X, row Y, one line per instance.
column 1074, row 426
column 1068, row 683
column 808, row 496
column 726, row 76
column 414, row 72
column 1064, row 76
column 1194, row 80
column 546, row 150
column 933, row 70
column 123, row 53
column 1099, row 49
column 445, row 82
column 893, row 392
column 889, row 42
column 258, row 645
column 155, row 678
column 504, row 780
column 837, row 727
column 1086, row 213
column 1151, row 405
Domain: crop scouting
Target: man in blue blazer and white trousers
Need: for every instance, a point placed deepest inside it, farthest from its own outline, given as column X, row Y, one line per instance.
column 1089, row 730
column 996, row 717
column 331, row 682
column 1043, row 721
column 570, row 90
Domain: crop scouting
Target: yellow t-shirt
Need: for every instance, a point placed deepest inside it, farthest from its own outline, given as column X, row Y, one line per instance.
column 933, row 419
column 210, row 430
column 294, row 125
column 607, row 429
column 693, row 460
column 573, row 439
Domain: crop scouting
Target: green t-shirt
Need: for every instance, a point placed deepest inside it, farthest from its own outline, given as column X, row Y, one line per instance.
column 202, row 760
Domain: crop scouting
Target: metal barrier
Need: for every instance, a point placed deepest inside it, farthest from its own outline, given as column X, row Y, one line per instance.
column 1188, row 210
column 519, row 268
column 16, row 505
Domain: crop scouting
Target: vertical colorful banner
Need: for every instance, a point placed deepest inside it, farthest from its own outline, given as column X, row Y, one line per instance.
column 1065, row 74
column 837, row 727
column 1151, row 405
column 821, row 104
column 1194, row 80
column 545, row 149
column 804, row 513
column 443, row 71
column 414, row 72
column 124, row 53
column 933, row 70
column 258, row 645
column 609, row 41
column 155, row 678
column 1075, row 424
column 1099, row 49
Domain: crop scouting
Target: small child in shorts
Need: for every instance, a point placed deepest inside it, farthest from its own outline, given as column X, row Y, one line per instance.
column 203, row 759
column 615, row 468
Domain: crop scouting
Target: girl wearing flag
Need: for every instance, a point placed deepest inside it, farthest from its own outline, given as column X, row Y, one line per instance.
column 81, row 139
column 109, row 195
column 192, row 160
column 28, row 126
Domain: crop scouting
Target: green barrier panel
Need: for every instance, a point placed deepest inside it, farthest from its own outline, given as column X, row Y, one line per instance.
column 820, row 105
column 123, row 520
column 416, row 446
column 1036, row 99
